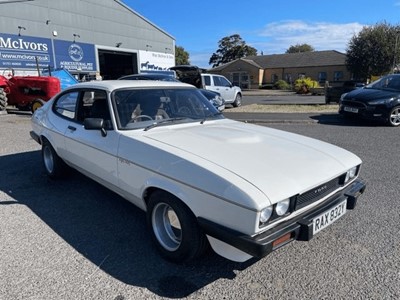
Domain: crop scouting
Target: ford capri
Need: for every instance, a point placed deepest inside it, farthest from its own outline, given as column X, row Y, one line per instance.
column 203, row 180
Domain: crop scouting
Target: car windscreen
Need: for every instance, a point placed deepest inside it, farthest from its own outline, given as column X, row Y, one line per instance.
column 139, row 108
column 390, row 83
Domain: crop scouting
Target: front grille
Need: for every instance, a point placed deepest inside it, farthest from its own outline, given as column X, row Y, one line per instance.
column 353, row 104
column 317, row 193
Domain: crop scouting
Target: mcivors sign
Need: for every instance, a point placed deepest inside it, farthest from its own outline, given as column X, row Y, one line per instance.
column 22, row 52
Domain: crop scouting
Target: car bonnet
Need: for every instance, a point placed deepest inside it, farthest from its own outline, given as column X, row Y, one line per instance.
column 368, row 94
column 278, row 163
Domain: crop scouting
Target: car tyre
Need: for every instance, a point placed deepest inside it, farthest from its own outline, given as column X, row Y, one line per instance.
column 53, row 164
column 238, row 101
column 394, row 117
column 174, row 228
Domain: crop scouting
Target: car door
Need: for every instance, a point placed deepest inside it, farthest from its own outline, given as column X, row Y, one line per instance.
column 91, row 151
column 224, row 88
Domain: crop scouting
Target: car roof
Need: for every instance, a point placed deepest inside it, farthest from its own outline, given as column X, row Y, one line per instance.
column 111, row 85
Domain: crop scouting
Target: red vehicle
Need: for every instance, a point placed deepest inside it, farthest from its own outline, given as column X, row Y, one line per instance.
column 27, row 92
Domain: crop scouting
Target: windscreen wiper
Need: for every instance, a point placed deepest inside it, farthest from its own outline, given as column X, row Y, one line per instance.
column 171, row 120
column 210, row 116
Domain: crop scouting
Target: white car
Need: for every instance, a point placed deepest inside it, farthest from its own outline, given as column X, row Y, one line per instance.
column 165, row 148
column 218, row 83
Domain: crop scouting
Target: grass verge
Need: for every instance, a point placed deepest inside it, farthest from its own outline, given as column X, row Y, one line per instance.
column 286, row 108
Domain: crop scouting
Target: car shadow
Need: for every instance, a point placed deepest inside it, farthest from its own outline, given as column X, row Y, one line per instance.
column 106, row 229
column 337, row 119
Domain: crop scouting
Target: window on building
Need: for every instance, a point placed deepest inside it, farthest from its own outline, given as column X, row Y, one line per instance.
column 274, row 78
column 288, row 78
column 301, row 75
column 338, row 75
column 322, row 77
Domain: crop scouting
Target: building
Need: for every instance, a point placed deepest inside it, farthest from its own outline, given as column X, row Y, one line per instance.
column 254, row 72
column 88, row 38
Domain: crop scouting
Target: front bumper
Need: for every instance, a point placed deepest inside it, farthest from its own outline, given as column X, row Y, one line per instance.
column 35, row 137
column 298, row 228
column 378, row 112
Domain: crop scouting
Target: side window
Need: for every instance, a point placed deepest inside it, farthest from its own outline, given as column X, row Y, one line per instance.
column 207, row 80
column 66, row 105
column 217, row 81
column 94, row 104
column 224, row 82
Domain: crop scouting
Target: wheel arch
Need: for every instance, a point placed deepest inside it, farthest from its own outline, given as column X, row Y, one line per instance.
column 158, row 184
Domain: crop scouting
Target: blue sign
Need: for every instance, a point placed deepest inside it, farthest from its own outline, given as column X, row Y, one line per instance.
column 21, row 52
column 74, row 56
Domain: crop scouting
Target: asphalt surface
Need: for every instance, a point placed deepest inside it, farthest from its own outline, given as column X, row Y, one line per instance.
column 74, row 239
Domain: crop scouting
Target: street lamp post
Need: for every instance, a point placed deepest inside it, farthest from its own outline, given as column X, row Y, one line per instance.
column 395, row 52
column 52, row 35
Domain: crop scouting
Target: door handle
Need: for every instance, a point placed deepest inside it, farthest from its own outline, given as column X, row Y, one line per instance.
column 72, row 128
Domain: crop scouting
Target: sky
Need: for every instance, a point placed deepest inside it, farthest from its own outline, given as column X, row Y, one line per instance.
column 269, row 26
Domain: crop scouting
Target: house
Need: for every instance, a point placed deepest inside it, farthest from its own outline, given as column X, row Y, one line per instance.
column 254, row 72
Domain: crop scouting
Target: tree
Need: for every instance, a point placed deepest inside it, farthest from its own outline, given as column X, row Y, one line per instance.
column 181, row 56
column 300, row 48
column 231, row 48
column 374, row 51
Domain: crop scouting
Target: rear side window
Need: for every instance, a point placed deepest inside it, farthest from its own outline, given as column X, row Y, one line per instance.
column 66, row 105
column 207, row 80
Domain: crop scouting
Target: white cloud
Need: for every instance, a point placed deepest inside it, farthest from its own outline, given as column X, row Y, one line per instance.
column 322, row 36
column 277, row 37
column 200, row 59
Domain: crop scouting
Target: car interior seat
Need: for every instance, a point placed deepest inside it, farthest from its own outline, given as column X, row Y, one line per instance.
column 100, row 110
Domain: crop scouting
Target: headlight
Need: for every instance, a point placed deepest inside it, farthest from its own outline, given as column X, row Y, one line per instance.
column 342, row 96
column 218, row 100
column 265, row 214
column 351, row 174
column 380, row 101
column 282, row 207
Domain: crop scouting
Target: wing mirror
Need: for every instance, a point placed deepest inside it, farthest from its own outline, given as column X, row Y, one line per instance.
column 95, row 124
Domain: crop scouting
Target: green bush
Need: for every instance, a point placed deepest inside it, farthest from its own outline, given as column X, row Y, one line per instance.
column 303, row 85
column 282, row 85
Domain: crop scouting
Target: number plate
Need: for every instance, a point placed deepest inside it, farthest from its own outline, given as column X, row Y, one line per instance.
column 328, row 217
column 351, row 109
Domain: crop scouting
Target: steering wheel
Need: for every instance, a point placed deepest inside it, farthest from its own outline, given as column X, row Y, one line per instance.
column 134, row 119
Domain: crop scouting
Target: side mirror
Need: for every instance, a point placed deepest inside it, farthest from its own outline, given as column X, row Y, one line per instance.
column 95, row 124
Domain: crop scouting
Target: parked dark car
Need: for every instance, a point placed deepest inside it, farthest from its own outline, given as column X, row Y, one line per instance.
column 215, row 98
column 150, row 76
column 379, row 100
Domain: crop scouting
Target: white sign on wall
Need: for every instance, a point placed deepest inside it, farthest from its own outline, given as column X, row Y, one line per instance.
column 155, row 61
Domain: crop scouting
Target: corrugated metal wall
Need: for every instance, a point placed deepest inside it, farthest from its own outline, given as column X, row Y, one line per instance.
column 100, row 22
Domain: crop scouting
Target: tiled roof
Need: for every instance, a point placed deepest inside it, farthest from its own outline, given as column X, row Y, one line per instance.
column 294, row 60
